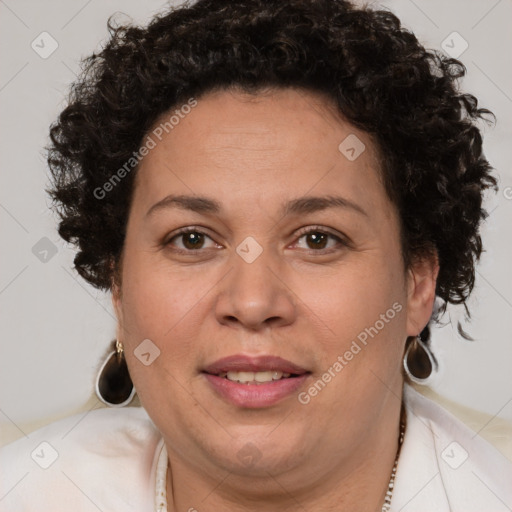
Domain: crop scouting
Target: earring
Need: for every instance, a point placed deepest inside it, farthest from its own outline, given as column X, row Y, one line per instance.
column 114, row 387
column 419, row 362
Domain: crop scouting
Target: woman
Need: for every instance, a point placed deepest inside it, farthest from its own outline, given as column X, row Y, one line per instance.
column 275, row 193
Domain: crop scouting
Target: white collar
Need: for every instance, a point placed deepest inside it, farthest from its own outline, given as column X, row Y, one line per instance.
column 445, row 466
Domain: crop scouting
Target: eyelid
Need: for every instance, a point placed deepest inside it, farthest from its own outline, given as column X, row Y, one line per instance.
column 315, row 228
column 186, row 229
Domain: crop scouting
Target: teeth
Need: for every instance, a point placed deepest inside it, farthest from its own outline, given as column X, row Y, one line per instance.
column 254, row 377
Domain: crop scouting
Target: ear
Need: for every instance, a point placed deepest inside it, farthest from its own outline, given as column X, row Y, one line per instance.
column 421, row 292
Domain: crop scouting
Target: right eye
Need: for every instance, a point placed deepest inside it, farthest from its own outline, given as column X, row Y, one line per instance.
column 189, row 240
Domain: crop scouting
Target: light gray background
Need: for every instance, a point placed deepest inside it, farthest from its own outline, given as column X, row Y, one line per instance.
column 55, row 328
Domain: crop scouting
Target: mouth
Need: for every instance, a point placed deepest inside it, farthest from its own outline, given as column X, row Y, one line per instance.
column 255, row 378
column 253, row 382
column 254, row 370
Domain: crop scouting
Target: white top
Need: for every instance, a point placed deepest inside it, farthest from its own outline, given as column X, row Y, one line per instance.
column 107, row 460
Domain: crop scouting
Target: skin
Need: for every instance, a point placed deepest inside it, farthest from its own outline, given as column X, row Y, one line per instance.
column 304, row 304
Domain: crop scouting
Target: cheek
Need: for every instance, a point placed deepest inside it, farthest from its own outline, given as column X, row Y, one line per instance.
column 165, row 311
column 365, row 310
column 361, row 351
column 156, row 297
column 164, row 307
column 354, row 298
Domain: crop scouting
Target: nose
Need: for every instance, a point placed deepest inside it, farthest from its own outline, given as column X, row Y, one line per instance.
column 255, row 295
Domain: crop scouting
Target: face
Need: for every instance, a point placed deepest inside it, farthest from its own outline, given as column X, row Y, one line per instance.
column 291, row 251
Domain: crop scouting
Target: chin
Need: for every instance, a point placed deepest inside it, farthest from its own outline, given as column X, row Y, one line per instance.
column 257, row 451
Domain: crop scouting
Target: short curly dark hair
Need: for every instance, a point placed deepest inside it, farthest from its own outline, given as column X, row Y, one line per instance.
column 377, row 73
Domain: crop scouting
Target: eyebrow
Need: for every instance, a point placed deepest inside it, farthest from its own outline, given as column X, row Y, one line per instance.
column 311, row 204
column 302, row 205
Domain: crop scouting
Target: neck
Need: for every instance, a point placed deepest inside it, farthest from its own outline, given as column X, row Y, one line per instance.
column 360, row 483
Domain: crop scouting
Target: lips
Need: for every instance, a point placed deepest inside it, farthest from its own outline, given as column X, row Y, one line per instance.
column 290, row 378
column 243, row 363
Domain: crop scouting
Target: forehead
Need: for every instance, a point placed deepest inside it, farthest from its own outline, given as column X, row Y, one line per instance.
column 261, row 148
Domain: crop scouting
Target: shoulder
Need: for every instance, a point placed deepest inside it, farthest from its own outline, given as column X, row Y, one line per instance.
column 444, row 465
column 85, row 460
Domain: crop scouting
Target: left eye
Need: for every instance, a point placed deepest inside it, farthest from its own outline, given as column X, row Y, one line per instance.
column 318, row 240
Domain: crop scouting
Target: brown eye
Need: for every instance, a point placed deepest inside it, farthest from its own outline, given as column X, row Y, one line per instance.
column 192, row 240
column 317, row 240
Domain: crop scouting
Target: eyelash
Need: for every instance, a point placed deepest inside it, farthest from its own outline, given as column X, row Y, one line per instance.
column 303, row 232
